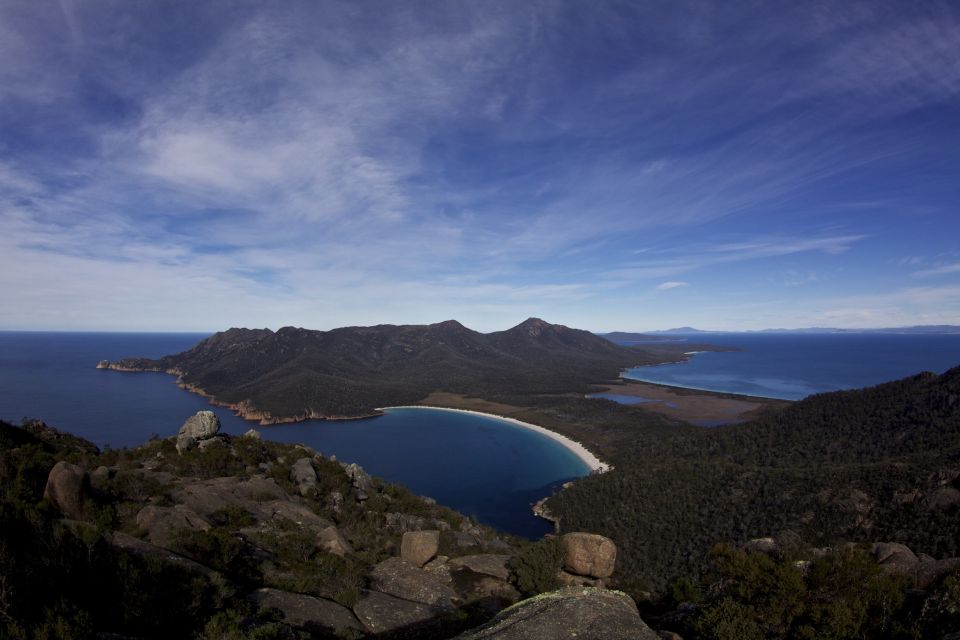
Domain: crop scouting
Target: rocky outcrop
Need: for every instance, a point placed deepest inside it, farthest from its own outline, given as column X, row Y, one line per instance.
column 304, row 476
column 361, row 480
column 306, row 612
column 399, row 578
column 260, row 497
column 253, row 434
column 589, row 554
column 923, row 570
column 381, row 613
column 199, row 427
column 580, row 613
column 66, row 486
column 332, row 541
column 419, row 547
column 767, row 546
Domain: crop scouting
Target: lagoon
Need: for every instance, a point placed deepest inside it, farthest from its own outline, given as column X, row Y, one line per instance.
column 792, row 366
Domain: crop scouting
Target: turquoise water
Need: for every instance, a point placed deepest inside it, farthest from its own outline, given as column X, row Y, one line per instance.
column 480, row 466
column 793, row 366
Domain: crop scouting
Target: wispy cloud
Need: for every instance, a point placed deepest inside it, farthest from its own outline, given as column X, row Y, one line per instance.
column 493, row 159
column 940, row 270
column 666, row 286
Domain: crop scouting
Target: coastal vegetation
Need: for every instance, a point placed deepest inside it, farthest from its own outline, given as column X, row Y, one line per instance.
column 837, row 516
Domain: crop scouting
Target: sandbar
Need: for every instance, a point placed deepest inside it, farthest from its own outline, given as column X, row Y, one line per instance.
column 595, row 464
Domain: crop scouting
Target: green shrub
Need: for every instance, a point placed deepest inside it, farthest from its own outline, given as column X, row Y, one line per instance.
column 536, row 566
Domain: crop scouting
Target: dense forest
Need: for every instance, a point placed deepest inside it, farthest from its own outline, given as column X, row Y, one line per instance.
column 868, row 465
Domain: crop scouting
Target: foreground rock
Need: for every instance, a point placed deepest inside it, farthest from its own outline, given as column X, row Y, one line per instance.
column 580, row 613
column 419, row 547
column 65, row 489
column 313, row 614
column 589, row 554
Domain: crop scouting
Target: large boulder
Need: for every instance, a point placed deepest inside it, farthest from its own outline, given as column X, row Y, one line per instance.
column 66, row 487
column 397, row 577
column 381, row 613
column 304, row 476
column 582, row 613
column 589, row 554
column 306, row 612
column 419, row 547
column 201, row 426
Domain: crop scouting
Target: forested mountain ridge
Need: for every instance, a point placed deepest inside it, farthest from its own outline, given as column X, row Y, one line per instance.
column 875, row 464
column 296, row 373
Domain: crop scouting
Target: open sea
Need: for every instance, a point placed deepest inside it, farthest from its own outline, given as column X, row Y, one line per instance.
column 485, row 468
column 793, row 366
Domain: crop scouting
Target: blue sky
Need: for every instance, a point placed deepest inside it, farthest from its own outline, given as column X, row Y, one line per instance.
column 605, row 165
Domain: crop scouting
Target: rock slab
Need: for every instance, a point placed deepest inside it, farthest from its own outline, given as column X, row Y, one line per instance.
column 589, row 554
column 397, row 577
column 382, row 613
column 572, row 613
column 307, row 612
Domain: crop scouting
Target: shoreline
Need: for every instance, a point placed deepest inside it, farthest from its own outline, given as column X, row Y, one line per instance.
column 585, row 455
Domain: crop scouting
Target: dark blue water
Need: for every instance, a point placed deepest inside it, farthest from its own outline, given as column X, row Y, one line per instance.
column 793, row 366
column 482, row 467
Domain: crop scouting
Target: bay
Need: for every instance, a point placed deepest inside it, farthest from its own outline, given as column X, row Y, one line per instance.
column 480, row 466
column 793, row 366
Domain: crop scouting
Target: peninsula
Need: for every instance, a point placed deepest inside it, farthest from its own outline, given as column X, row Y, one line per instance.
column 297, row 374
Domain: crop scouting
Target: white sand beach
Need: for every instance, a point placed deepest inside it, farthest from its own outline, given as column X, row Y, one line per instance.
column 595, row 464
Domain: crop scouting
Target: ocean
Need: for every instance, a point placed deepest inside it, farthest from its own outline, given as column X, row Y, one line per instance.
column 793, row 366
column 481, row 467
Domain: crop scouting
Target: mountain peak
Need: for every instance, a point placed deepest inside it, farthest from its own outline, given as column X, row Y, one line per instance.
column 449, row 324
column 533, row 327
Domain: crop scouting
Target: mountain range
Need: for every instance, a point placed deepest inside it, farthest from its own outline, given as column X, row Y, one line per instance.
column 292, row 373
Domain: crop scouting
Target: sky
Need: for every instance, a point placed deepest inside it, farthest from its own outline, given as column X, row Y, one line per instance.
column 193, row 166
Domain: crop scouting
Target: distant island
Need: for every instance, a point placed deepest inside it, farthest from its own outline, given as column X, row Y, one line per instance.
column 296, row 374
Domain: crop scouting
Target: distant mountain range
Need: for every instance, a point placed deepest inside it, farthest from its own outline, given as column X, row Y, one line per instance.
column 935, row 329
column 294, row 374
